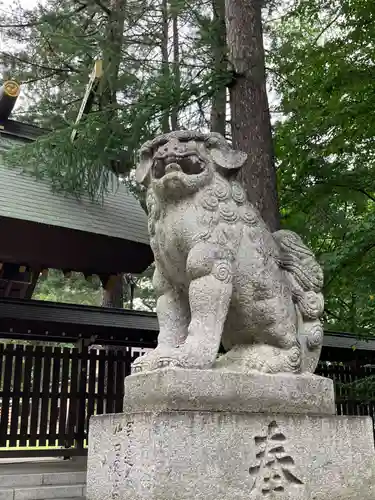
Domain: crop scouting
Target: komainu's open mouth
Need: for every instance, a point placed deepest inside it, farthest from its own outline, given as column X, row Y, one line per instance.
column 188, row 164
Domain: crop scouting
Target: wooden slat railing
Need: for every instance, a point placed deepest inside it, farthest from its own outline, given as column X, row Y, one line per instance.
column 47, row 395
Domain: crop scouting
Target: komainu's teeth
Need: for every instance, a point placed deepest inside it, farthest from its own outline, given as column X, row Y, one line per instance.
column 172, row 167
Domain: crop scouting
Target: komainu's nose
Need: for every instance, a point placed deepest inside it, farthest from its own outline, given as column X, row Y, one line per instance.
column 174, row 144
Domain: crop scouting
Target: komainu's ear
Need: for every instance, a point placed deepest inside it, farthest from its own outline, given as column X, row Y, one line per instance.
column 227, row 158
column 143, row 169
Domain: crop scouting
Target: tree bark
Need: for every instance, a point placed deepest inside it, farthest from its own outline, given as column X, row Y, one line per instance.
column 108, row 87
column 219, row 99
column 165, row 61
column 176, row 67
column 112, row 48
column 250, row 116
column 113, row 294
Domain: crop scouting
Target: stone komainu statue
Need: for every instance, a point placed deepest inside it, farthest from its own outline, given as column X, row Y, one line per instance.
column 221, row 275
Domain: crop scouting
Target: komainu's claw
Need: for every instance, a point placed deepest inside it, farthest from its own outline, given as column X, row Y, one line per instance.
column 167, row 362
column 141, row 364
column 137, row 369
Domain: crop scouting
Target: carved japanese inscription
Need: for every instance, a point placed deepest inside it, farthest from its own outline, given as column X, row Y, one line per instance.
column 121, row 465
column 273, row 470
column 115, row 472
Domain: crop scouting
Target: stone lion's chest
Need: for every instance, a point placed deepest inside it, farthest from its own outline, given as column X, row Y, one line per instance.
column 174, row 237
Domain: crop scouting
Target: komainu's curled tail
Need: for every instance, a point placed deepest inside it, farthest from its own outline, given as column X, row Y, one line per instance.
column 305, row 277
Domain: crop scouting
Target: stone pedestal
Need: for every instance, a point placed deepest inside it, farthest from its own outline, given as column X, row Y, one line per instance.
column 210, row 435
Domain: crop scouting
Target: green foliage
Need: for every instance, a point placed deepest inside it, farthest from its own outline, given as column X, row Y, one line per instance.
column 52, row 49
column 321, row 56
column 60, row 42
column 76, row 289
column 321, row 66
column 76, row 168
column 144, row 296
column 55, row 287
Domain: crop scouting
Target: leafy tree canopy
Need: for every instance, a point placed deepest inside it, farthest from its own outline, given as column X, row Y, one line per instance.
column 321, row 62
column 323, row 57
column 52, row 52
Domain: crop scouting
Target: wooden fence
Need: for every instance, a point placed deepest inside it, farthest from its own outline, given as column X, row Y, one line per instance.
column 47, row 395
column 354, row 388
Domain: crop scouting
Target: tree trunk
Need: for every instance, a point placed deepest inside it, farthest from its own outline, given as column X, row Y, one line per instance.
column 113, row 294
column 176, row 67
column 112, row 49
column 219, row 99
column 165, row 61
column 250, row 116
column 112, row 297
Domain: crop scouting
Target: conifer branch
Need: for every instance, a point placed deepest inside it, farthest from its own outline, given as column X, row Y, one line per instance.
column 38, row 79
column 36, row 65
column 326, row 28
column 32, row 24
column 103, row 7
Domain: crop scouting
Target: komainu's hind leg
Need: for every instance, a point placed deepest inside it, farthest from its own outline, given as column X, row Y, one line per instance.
column 275, row 347
column 261, row 358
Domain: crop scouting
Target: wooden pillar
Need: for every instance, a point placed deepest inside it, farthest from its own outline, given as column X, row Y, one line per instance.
column 35, row 273
column 112, row 290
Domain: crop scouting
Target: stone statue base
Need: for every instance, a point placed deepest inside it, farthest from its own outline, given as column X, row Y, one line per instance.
column 212, row 435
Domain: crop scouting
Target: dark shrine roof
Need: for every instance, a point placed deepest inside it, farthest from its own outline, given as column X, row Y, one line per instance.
column 114, row 230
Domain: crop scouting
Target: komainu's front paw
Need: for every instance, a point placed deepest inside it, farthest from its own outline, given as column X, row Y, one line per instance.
column 169, row 358
column 168, row 362
column 142, row 364
column 161, row 357
column 191, row 354
column 188, row 355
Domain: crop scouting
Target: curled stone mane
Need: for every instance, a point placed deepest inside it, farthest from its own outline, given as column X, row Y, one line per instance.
column 210, row 139
column 226, row 211
column 226, row 201
column 154, row 211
